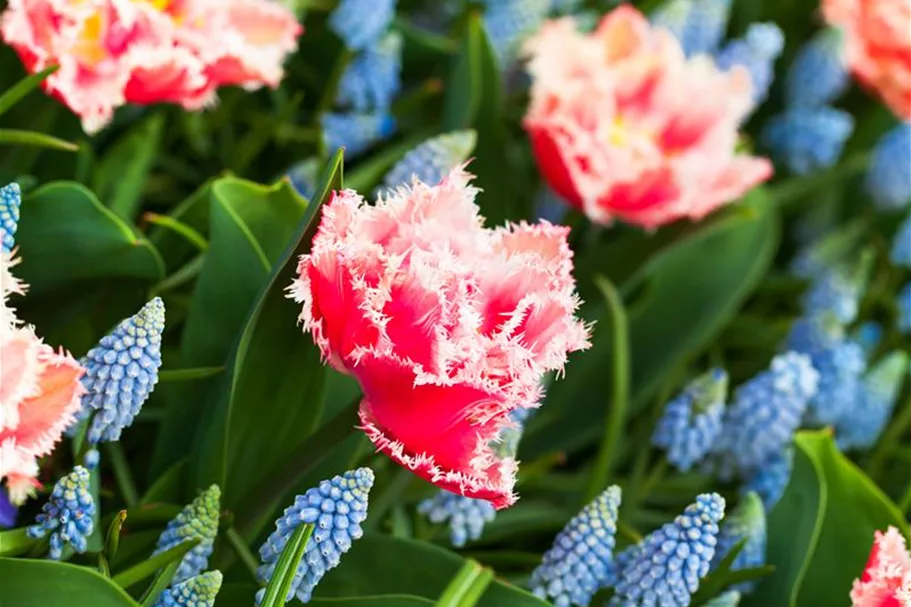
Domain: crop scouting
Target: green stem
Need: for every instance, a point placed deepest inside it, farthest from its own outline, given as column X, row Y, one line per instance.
column 189, row 234
column 467, row 586
column 331, row 85
column 616, row 414
column 627, row 531
column 261, row 499
column 123, row 474
column 889, row 441
column 242, row 551
column 905, row 504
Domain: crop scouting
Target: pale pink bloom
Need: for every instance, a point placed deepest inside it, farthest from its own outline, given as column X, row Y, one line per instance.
column 624, row 126
column 446, row 325
column 113, row 52
column 39, row 395
column 886, row 580
column 877, row 46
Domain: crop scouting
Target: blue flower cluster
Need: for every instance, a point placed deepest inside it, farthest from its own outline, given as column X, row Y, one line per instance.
column 121, row 371
column 771, row 479
column 861, row 425
column 370, row 81
column 510, row 22
column 198, row 521
column 10, row 201
column 903, row 301
column 746, row 522
column 666, row 567
column 811, row 134
column 580, row 562
column 432, row 160
column 198, row 591
column 68, row 514
column 888, row 178
column 900, row 254
column 337, row 508
column 692, row 422
column 757, row 51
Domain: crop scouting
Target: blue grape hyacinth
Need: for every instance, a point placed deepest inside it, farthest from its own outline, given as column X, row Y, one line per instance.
column 10, row 201
column 373, row 79
column 903, row 302
column 198, row 591
column 337, row 508
column 356, row 132
column 360, row 23
column 838, row 289
column 757, row 51
column 808, row 139
column 745, row 522
column 121, row 371
column 198, row 521
column 868, row 335
column 699, row 25
column 664, row 570
column 304, row 176
column 8, row 512
column 818, row 76
column 433, row 159
column 900, row 254
column 771, row 479
column 580, row 562
column 888, row 178
column 510, row 22
column 692, row 422
column 466, row 516
column 875, row 398
column 67, row 517
column 767, row 410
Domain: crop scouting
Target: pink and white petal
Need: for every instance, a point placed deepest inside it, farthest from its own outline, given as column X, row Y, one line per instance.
column 20, row 369
column 20, row 470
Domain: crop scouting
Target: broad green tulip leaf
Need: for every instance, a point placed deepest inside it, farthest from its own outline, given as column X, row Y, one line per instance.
column 15, row 542
column 821, row 532
column 43, row 583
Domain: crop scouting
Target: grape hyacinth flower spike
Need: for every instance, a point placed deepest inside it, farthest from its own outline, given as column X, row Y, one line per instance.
column 767, row 410
column 373, row 79
column 888, row 179
column 699, row 25
column 692, row 422
column 900, row 254
column 771, row 479
column 903, row 301
column 580, row 562
column 67, row 515
column 198, row 521
column 356, row 132
column 10, row 201
column 510, row 22
column 337, row 507
column 757, row 51
column 198, row 591
column 433, row 159
column 747, row 521
column 121, row 372
column 665, row 568
column 360, row 23
column 875, row 400
column 818, row 76
column 808, row 139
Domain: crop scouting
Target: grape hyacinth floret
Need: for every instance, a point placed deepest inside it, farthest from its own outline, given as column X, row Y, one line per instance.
column 838, row 291
column 875, row 399
column 900, row 254
column 692, row 422
column 466, row 516
column 667, row 565
column 10, row 201
column 67, row 515
column 818, row 76
column 580, row 562
column 121, row 371
column 373, row 79
column 198, row 591
column 356, row 132
column 807, row 139
column 509, row 22
column 433, row 159
column 757, row 51
column 888, row 178
column 198, row 521
column 747, row 521
column 360, row 23
column 903, row 301
column 699, row 25
column 337, row 508
column 767, row 410
column 771, row 479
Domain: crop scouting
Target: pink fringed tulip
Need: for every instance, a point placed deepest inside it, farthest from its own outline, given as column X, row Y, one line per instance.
column 877, row 46
column 624, row 126
column 886, row 581
column 112, row 52
column 446, row 325
column 39, row 395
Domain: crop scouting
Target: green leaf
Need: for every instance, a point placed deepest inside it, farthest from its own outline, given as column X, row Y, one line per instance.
column 241, row 595
column 42, row 583
column 466, row 588
column 250, row 225
column 378, row 565
column 464, row 88
column 167, row 487
column 31, row 138
column 66, row 236
column 15, row 93
column 192, row 214
column 286, row 567
column 188, row 374
column 821, row 532
column 112, row 540
column 15, row 542
column 159, row 583
column 688, row 285
column 141, row 571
